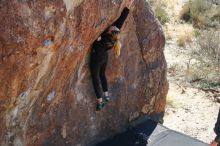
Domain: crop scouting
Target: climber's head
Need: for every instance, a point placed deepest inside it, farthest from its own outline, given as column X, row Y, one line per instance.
column 114, row 32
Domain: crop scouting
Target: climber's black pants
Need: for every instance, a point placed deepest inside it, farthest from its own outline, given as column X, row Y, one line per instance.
column 98, row 74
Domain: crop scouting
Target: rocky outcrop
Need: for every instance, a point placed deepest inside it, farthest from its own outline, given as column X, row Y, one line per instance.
column 46, row 94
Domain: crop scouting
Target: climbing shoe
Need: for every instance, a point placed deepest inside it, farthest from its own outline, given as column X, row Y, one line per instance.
column 100, row 106
column 107, row 98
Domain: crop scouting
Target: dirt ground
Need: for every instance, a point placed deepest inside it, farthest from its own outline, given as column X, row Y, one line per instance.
column 190, row 111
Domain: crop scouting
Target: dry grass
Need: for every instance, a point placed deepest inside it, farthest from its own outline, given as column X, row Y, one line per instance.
column 170, row 102
column 169, row 31
column 168, row 35
column 186, row 35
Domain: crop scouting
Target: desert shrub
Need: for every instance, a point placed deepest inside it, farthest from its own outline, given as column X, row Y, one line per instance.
column 164, row 3
column 159, row 8
column 173, row 69
column 162, row 15
column 197, row 33
column 201, row 13
column 209, row 47
column 202, row 75
column 185, row 13
column 206, row 56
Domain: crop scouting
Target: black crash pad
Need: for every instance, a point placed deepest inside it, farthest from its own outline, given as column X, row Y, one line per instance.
column 150, row 133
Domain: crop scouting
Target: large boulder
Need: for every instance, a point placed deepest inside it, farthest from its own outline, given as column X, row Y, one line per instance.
column 46, row 94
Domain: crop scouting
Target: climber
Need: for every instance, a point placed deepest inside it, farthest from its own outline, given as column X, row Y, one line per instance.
column 99, row 56
column 216, row 141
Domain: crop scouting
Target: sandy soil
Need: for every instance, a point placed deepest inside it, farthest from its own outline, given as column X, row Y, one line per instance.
column 189, row 110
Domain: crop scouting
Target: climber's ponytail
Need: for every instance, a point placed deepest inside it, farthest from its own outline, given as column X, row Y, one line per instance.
column 117, row 48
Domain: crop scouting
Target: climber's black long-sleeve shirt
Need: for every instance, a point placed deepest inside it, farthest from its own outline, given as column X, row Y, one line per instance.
column 217, row 128
column 99, row 48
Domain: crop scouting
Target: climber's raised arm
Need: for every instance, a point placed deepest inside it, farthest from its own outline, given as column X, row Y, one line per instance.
column 120, row 21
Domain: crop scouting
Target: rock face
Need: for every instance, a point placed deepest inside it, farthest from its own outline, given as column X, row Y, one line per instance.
column 46, row 94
